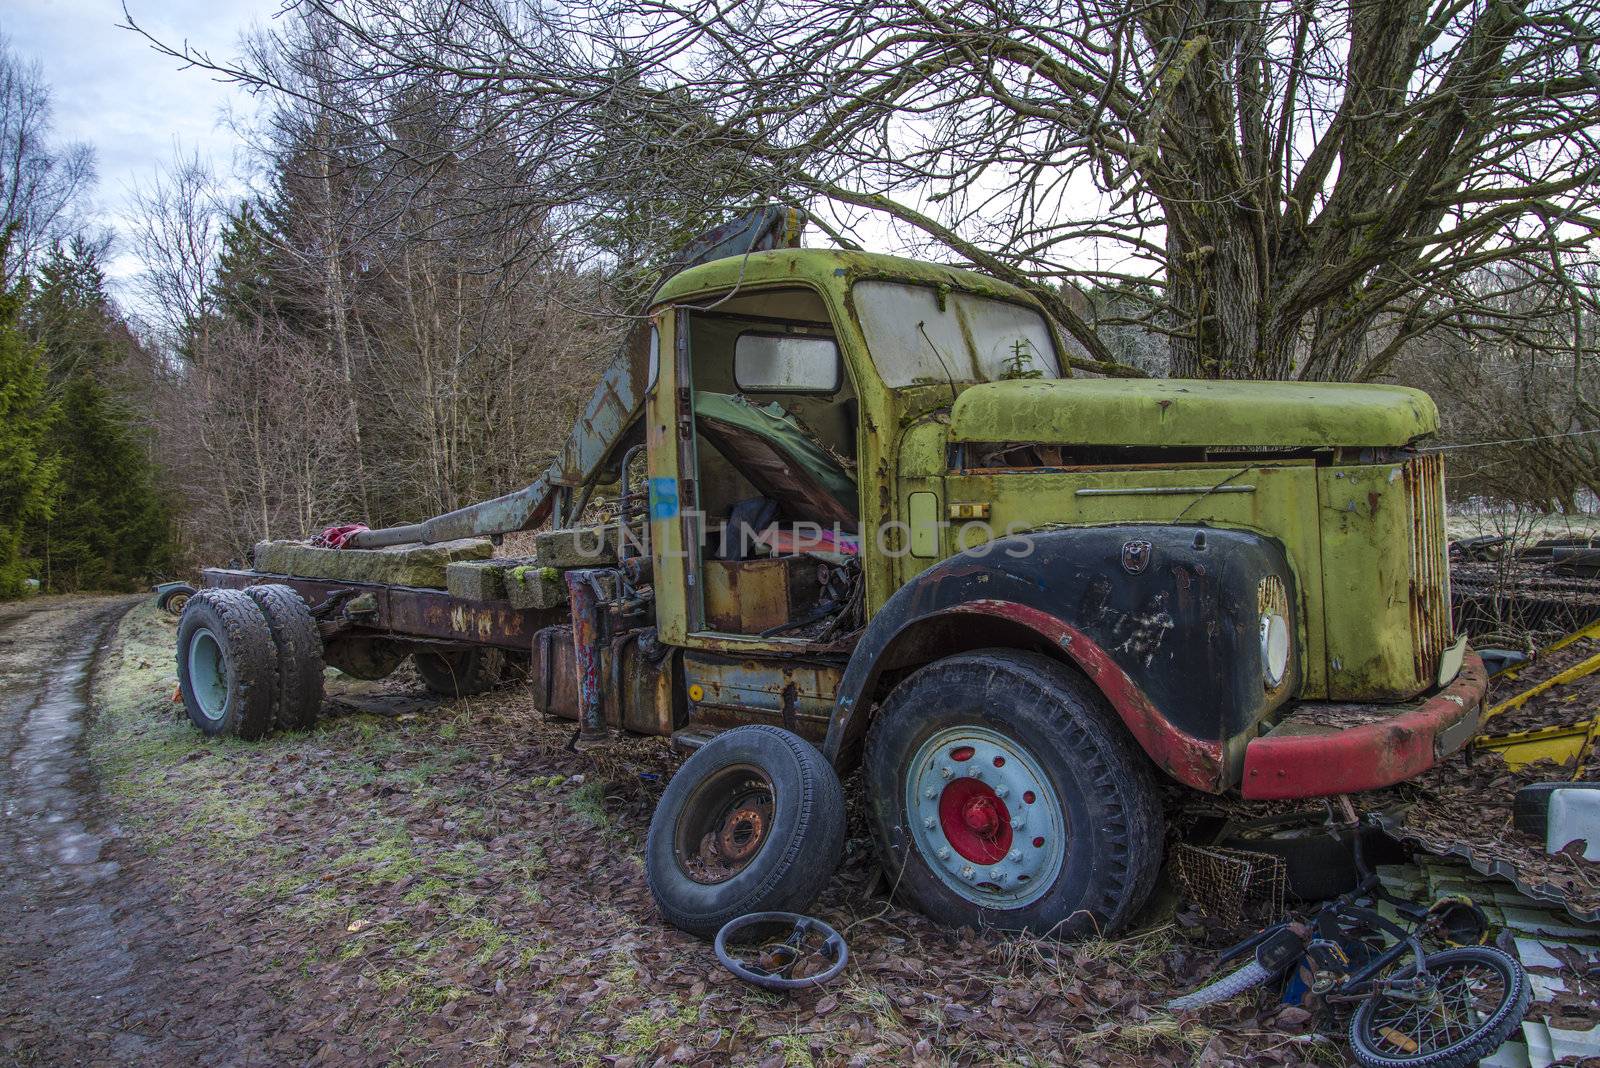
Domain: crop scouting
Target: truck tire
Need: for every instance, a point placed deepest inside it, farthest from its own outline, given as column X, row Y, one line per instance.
column 464, row 672
column 752, row 822
column 294, row 632
column 362, row 656
column 1003, row 792
column 227, row 664
column 172, row 601
column 1530, row 807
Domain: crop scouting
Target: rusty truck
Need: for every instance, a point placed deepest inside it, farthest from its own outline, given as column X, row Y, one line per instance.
column 865, row 518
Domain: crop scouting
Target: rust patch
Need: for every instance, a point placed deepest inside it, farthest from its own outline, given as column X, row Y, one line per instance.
column 1287, row 763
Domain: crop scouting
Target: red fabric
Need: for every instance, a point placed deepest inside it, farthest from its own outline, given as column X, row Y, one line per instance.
column 335, row 537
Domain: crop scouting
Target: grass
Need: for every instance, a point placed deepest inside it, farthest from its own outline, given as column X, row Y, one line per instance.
column 456, row 887
column 588, row 801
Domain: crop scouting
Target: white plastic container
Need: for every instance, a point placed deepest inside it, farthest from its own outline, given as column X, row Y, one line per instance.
column 1574, row 814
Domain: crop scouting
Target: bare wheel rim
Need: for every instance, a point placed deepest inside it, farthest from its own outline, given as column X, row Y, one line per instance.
column 725, row 823
column 985, row 817
column 208, row 674
column 1466, row 995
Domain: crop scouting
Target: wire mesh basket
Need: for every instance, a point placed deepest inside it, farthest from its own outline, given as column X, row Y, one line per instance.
column 1235, row 887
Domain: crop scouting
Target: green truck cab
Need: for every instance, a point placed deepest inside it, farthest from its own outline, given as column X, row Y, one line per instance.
column 865, row 504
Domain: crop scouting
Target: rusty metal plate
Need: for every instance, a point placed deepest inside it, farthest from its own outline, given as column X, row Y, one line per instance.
column 406, row 611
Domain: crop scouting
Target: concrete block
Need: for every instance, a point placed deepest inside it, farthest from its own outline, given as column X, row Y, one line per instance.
column 476, row 580
column 576, row 547
column 529, row 585
column 400, row 565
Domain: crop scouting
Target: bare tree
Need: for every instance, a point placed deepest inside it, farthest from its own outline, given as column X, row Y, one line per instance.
column 1263, row 181
column 175, row 224
column 40, row 181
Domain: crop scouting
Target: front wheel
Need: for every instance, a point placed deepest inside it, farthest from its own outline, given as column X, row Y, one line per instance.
column 1477, row 997
column 1004, row 793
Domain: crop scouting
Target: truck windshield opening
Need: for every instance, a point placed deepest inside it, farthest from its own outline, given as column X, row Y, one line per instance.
column 918, row 336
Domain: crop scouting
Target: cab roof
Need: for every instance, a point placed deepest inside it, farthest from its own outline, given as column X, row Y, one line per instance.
column 827, row 269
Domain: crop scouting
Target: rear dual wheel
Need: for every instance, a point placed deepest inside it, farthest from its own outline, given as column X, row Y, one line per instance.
column 1004, row 793
column 227, row 664
column 249, row 661
column 298, row 696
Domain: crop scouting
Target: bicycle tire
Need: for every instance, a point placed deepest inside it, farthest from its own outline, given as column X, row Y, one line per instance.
column 1472, row 1046
column 1231, row 985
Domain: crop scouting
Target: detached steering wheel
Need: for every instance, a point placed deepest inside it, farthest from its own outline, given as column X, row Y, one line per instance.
column 809, row 954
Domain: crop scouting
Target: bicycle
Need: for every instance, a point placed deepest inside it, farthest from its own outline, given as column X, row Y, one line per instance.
column 1445, row 1009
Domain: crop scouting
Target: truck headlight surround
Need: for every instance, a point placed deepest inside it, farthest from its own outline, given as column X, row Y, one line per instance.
column 1275, row 645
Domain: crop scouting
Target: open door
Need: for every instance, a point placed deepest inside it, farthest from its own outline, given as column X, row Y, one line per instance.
column 770, row 446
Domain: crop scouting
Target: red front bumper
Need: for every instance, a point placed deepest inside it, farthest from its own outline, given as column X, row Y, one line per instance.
column 1299, row 759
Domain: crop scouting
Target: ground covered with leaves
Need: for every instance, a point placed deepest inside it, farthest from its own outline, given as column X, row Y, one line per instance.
column 451, row 884
column 1466, row 803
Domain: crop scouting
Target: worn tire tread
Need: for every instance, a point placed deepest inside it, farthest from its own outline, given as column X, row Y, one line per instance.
column 299, row 692
column 249, row 647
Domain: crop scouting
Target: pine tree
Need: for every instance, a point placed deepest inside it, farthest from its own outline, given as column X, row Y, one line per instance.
column 28, row 472
column 110, row 528
column 244, row 289
column 70, row 315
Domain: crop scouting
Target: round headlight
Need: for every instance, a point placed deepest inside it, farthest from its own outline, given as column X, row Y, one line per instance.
column 1274, row 648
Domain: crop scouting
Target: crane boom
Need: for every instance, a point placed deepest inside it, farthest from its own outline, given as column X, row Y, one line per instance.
column 597, row 438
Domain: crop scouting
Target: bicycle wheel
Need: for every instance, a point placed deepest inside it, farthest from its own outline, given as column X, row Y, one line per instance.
column 1479, row 998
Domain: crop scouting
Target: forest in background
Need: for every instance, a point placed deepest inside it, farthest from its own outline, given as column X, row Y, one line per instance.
column 454, row 209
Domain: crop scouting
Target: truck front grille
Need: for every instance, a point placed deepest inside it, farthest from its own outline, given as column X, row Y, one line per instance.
column 1430, row 564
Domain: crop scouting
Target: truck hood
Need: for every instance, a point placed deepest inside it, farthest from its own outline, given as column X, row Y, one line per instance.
column 1178, row 412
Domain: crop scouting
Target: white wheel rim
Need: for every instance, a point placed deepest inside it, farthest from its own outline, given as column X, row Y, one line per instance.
column 985, row 817
column 208, row 675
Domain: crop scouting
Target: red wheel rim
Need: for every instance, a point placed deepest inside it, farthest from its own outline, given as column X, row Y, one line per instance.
column 975, row 821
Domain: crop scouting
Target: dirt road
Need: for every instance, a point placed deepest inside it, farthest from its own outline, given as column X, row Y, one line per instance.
column 97, row 967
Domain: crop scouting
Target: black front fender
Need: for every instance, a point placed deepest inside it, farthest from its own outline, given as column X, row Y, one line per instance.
column 1164, row 619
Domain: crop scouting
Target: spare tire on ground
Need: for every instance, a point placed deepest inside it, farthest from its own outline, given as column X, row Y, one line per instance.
column 752, row 822
column 298, row 698
column 227, row 664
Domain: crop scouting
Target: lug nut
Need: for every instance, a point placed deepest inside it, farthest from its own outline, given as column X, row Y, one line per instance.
column 1016, row 822
column 968, row 873
column 1000, row 791
column 943, row 854
column 1016, row 855
column 997, row 875
column 928, row 822
column 945, row 772
column 930, row 793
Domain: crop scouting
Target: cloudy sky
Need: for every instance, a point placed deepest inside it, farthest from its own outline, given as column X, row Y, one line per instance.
column 134, row 106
